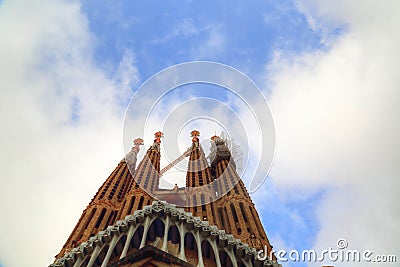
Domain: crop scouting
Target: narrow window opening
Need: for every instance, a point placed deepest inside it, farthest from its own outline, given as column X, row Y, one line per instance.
column 242, row 211
column 141, row 203
column 235, row 217
column 212, row 209
column 110, row 219
column 195, row 204
column 228, row 226
column 221, row 218
column 259, row 227
column 88, row 220
column 131, row 205
column 103, row 212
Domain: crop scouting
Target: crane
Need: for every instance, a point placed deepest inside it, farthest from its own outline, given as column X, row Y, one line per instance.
column 176, row 161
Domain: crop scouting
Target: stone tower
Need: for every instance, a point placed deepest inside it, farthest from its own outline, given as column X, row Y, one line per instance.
column 102, row 209
column 127, row 223
column 145, row 180
column 236, row 212
column 200, row 193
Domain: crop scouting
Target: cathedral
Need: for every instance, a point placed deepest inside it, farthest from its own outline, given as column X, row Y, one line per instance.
column 131, row 221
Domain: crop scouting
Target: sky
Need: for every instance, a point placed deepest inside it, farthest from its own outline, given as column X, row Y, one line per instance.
column 328, row 69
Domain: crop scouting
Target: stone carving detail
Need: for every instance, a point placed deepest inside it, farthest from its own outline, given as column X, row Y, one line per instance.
column 161, row 210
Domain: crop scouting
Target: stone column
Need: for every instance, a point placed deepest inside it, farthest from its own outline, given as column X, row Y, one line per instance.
column 94, row 255
column 182, row 242
column 110, row 250
column 165, row 240
column 145, row 230
column 131, row 231
column 199, row 252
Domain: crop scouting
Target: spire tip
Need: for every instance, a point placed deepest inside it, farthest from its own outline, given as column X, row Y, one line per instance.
column 195, row 135
column 157, row 137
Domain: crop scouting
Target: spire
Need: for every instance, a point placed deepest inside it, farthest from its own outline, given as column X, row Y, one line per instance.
column 220, row 159
column 131, row 157
column 146, row 175
column 237, row 213
column 157, row 141
column 103, row 208
column 198, row 173
column 198, row 182
column 195, row 140
column 145, row 180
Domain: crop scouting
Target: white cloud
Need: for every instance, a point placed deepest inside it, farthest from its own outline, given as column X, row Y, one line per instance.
column 336, row 116
column 206, row 47
column 184, row 28
column 213, row 45
column 59, row 114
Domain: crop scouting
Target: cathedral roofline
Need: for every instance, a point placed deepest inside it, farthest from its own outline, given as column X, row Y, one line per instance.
column 107, row 239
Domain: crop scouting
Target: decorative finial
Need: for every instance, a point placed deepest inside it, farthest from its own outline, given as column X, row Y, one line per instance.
column 214, row 137
column 158, row 135
column 136, row 143
column 217, row 140
column 194, row 134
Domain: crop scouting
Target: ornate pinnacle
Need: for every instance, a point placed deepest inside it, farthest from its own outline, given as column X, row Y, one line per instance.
column 136, row 143
column 157, row 137
column 214, row 137
column 194, row 134
column 217, row 140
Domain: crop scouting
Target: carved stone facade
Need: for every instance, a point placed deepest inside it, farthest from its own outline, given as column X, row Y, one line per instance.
column 177, row 236
column 125, row 225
